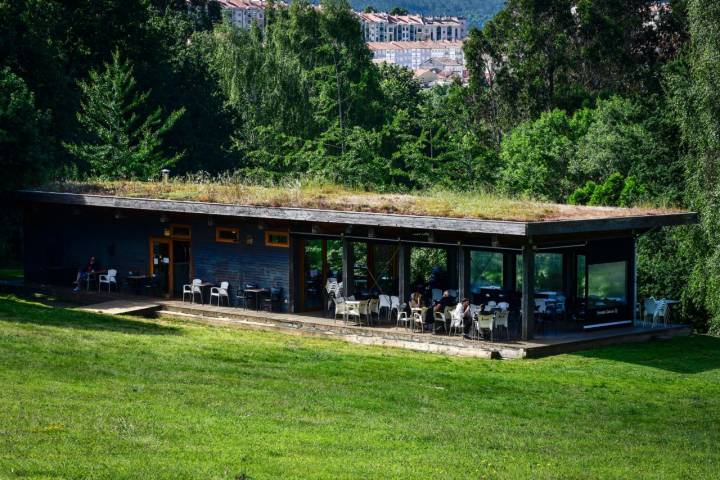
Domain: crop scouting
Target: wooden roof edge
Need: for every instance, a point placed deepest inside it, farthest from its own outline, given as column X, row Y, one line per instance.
column 635, row 222
column 420, row 222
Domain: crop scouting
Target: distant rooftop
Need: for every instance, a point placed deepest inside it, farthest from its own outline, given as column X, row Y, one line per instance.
column 418, row 44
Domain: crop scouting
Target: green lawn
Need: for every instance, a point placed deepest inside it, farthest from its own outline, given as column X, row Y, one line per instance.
column 88, row 396
column 11, row 273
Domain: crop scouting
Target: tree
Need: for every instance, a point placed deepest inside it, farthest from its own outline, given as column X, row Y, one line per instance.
column 694, row 86
column 399, row 11
column 24, row 149
column 535, row 156
column 122, row 140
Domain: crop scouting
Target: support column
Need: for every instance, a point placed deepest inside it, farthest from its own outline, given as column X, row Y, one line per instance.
column 633, row 282
column 348, row 263
column 528, row 292
column 463, row 270
column 292, row 273
column 404, row 272
column 509, row 272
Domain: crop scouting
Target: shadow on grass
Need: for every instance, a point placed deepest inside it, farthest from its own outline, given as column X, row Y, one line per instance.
column 13, row 309
column 692, row 354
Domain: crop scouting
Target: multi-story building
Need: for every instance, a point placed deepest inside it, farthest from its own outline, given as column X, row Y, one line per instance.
column 413, row 54
column 243, row 13
column 383, row 27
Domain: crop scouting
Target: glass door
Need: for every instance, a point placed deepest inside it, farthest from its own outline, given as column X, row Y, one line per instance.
column 313, row 278
column 161, row 264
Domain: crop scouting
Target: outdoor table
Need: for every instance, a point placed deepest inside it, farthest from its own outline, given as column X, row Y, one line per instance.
column 256, row 292
column 204, row 286
column 137, row 281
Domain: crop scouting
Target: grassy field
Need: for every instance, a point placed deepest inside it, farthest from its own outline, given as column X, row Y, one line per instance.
column 11, row 273
column 88, row 396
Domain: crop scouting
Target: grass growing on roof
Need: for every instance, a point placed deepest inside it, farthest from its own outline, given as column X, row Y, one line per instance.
column 437, row 202
column 85, row 395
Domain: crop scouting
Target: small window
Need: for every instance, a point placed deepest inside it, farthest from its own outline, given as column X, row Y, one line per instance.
column 277, row 239
column 227, row 235
column 180, row 231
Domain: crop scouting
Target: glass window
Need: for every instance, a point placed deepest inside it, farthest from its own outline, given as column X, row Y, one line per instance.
column 581, row 276
column 277, row 239
column 486, row 270
column 607, row 284
column 548, row 272
column 180, row 231
column 227, row 235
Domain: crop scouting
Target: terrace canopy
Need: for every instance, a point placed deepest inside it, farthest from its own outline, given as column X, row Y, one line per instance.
column 584, row 256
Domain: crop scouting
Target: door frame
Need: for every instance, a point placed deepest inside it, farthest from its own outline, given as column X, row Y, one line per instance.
column 169, row 242
column 301, row 243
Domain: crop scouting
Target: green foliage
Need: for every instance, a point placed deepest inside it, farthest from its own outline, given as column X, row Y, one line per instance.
column 123, row 142
column 694, row 86
column 24, row 149
column 535, row 156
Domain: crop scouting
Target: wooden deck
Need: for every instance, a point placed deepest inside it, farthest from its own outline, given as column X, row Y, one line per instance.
column 383, row 335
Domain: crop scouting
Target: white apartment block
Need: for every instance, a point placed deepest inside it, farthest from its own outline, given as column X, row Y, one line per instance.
column 413, row 54
column 243, row 13
column 383, row 27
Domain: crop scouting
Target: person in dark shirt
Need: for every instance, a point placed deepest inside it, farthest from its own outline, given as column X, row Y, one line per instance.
column 93, row 266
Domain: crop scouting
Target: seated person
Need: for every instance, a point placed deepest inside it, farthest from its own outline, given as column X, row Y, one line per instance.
column 416, row 300
column 463, row 310
column 445, row 301
column 93, row 266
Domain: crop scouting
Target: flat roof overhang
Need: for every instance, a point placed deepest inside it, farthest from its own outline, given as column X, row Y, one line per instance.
column 547, row 229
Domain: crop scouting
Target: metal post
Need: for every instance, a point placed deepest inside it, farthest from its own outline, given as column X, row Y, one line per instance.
column 463, row 269
column 528, row 292
column 404, row 273
column 634, row 282
column 348, row 263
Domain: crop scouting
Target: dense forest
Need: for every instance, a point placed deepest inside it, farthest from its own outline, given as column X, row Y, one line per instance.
column 476, row 11
column 586, row 101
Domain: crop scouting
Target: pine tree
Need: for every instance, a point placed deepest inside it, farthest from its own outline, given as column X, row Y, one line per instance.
column 122, row 140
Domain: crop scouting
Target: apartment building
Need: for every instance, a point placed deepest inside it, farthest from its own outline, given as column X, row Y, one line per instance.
column 383, row 27
column 413, row 54
column 243, row 13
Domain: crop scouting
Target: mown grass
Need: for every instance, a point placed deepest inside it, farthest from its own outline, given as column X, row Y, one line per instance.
column 89, row 396
column 235, row 190
column 11, row 273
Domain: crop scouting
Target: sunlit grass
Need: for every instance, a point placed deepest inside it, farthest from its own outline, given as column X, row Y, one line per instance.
column 91, row 396
column 318, row 195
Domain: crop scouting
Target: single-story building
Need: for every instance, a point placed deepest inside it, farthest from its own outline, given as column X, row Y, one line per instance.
column 580, row 260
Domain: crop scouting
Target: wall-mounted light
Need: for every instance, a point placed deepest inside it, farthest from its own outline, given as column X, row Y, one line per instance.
column 249, row 240
column 371, row 232
column 315, row 229
column 118, row 215
column 211, row 222
column 164, row 218
column 166, row 232
column 261, row 225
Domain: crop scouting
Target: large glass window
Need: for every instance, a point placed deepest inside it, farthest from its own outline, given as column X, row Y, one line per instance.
column 607, row 284
column 486, row 270
column 581, row 276
column 548, row 272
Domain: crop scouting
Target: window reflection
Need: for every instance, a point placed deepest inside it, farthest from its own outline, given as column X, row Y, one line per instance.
column 607, row 284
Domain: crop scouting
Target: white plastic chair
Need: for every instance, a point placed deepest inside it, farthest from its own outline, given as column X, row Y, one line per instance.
column 192, row 290
column 340, row 307
column 456, row 323
column 650, row 305
column 418, row 320
column 394, row 305
column 352, row 311
column 660, row 314
column 484, row 322
column 363, row 308
column 374, row 308
column 220, row 292
column 403, row 318
column 439, row 322
column 109, row 279
column 501, row 321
